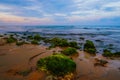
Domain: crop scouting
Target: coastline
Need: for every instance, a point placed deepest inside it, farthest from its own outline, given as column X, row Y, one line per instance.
column 16, row 58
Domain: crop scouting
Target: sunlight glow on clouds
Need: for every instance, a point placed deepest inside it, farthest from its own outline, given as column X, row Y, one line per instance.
column 8, row 18
column 37, row 12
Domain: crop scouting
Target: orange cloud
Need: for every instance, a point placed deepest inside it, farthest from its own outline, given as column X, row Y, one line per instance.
column 8, row 18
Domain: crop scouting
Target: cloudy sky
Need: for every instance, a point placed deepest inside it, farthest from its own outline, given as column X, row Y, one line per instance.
column 60, row 12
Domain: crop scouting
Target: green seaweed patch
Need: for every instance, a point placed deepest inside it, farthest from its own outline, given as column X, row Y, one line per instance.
column 69, row 51
column 20, row 43
column 34, row 42
column 11, row 39
column 89, row 47
column 58, row 42
column 74, row 45
column 30, row 37
column 46, row 40
column 117, row 54
column 37, row 37
column 62, row 43
column 108, row 53
column 58, row 65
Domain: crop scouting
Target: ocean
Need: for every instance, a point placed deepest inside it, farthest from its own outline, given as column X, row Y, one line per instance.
column 104, row 37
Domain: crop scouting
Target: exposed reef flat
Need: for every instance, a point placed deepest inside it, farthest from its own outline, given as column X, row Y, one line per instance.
column 22, row 59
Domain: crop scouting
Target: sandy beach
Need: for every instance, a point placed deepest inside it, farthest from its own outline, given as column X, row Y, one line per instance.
column 59, row 39
column 14, row 59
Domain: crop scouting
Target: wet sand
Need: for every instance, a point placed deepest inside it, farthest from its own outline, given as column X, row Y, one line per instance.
column 87, row 71
column 18, row 58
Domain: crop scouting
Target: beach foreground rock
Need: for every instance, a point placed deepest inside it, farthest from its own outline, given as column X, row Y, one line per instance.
column 18, row 58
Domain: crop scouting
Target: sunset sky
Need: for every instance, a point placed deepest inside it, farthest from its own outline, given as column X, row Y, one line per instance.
column 60, row 12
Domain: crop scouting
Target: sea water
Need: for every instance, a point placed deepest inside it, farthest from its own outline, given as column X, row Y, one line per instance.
column 104, row 37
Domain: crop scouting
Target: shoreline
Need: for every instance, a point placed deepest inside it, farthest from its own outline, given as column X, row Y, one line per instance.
column 17, row 59
column 101, row 41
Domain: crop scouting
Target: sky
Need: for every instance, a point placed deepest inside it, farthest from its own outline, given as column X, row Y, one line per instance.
column 59, row 12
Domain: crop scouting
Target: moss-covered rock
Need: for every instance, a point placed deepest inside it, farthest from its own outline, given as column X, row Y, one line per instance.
column 62, row 43
column 117, row 54
column 73, row 44
column 37, row 37
column 34, row 42
column 46, row 40
column 89, row 47
column 20, row 43
column 107, row 53
column 11, row 40
column 30, row 37
column 69, row 51
column 58, row 65
column 59, row 42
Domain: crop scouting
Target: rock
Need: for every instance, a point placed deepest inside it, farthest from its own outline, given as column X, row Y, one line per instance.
column 100, row 62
